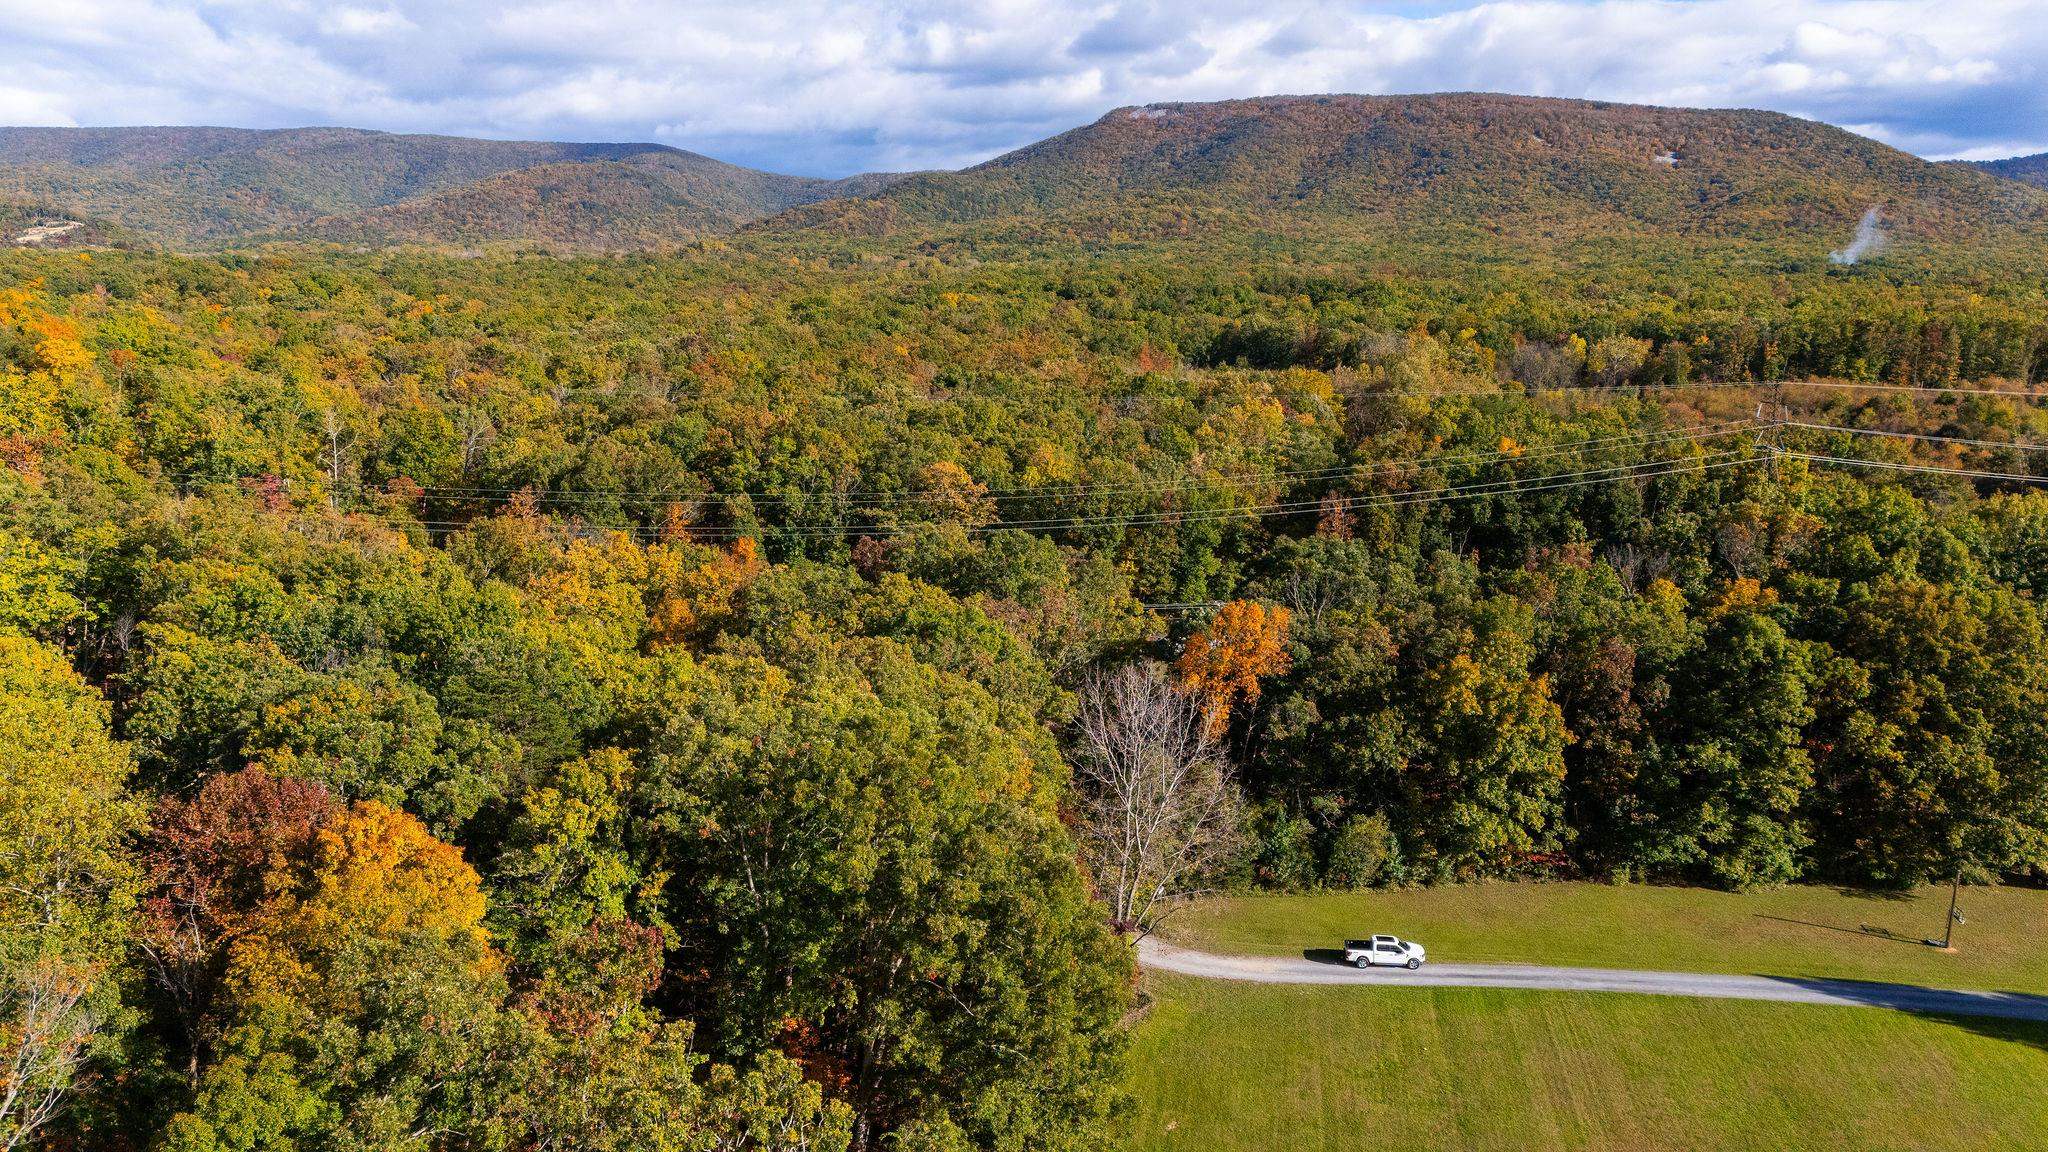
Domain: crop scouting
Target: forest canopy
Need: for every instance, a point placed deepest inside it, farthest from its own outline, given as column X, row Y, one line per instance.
column 659, row 701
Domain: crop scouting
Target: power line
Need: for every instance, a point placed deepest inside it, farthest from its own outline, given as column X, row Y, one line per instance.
column 1643, row 470
column 1937, row 389
column 1512, row 487
column 1452, row 393
column 1914, row 436
column 869, row 496
column 1371, row 500
column 877, row 497
column 1664, row 386
column 1969, row 472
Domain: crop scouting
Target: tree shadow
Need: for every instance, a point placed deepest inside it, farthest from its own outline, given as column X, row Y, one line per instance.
column 1888, row 895
column 2014, row 1017
column 2031, row 1034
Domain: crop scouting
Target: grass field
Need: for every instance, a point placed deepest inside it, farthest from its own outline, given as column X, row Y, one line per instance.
column 1223, row 1066
column 1794, row 931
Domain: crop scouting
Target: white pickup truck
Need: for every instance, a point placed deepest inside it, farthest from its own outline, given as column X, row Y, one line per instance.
column 1384, row 952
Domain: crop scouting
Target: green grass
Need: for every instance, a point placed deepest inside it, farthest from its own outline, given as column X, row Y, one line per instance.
column 1794, row 931
column 1223, row 1066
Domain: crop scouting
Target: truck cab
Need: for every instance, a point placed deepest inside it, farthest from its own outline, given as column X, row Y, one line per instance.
column 1383, row 952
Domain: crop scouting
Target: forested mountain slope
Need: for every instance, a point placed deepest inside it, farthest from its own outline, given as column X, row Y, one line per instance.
column 1431, row 170
column 2028, row 169
column 190, row 186
column 1505, row 165
column 649, row 200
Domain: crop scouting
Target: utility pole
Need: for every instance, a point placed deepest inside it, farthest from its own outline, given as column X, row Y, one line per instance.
column 1767, row 435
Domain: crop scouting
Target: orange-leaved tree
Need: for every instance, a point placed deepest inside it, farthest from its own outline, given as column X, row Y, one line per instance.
column 1224, row 662
column 365, row 1006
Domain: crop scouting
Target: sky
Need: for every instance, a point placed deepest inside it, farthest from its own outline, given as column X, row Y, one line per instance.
column 830, row 87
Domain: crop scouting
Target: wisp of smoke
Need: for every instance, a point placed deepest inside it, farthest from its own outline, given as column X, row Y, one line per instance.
column 1869, row 239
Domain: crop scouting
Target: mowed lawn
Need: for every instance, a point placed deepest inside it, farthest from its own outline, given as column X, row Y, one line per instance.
column 1792, row 931
column 1225, row 1066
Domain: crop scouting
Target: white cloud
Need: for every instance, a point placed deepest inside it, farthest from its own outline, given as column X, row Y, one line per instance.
column 29, row 108
column 363, row 22
column 835, row 85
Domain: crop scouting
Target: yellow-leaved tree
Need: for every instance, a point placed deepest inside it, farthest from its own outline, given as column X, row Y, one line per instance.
column 65, row 887
column 361, row 1009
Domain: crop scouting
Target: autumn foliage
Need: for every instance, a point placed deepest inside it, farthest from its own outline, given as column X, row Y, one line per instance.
column 709, row 700
column 1223, row 664
column 216, row 863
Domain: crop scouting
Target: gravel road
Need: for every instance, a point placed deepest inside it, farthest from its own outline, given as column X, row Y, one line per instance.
column 1156, row 953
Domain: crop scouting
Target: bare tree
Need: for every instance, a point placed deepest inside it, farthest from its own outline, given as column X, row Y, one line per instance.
column 46, row 1026
column 1158, row 803
column 476, row 430
column 338, row 438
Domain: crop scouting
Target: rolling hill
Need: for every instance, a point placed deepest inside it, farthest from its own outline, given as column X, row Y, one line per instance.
column 2026, row 169
column 197, row 185
column 647, row 200
column 1486, row 163
column 1470, row 168
column 201, row 186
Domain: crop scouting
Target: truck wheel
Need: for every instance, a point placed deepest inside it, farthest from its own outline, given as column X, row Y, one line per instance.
column 1413, row 963
column 1363, row 962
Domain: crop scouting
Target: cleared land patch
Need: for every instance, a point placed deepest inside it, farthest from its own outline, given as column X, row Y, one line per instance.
column 44, row 233
column 1794, row 931
column 1231, row 1066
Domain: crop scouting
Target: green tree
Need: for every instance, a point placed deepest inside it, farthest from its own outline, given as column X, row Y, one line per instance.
column 66, row 886
column 866, row 868
column 565, row 863
column 1483, row 788
column 1934, row 733
column 35, row 586
column 1730, row 780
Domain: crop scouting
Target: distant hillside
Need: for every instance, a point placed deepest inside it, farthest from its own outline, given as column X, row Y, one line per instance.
column 643, row 201
column 193, row 185
column 1485, row 163
column 1413, row 170
column 37, row 226
column 197, row 186
column 2028, row 169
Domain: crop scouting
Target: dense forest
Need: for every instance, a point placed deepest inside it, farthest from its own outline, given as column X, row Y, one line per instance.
column 2031, row 169
column 1489, row 178
column 700, row 700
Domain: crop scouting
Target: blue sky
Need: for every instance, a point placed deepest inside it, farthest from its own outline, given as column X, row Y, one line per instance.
column 828, row 87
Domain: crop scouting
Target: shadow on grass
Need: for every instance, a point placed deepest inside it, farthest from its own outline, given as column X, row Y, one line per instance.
column 2030, row 1034
column 1323, row 955
column 2015, row 1017
column 1862, row 931
column 1888, row 895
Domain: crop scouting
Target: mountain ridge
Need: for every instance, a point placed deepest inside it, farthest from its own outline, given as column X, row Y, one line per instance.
column 2026, row 169
column 649, row 200
column 1476, row 159
column 205, row 184
column 1487, row 165
column 210, row 185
